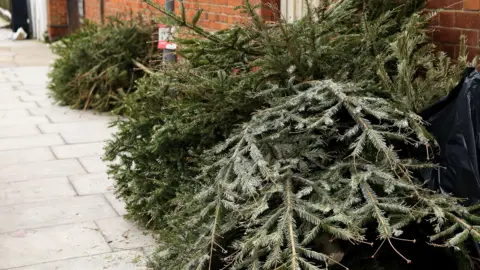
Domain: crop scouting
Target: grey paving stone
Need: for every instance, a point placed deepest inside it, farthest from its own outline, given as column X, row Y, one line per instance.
column 121, row 260
column 9, row 100
column 27, row 120
column 34, row 89
column 36, row 92
column 28, row 247
column 12, row 95
column 94, row 164
column 17, row 105
column 48, row 111
column 14, row 113
column 116, row 203
column 33, row 86
column 9, row 96
column 62, row 115
column 45, row 103
column 78, row 150
column 87, row 136
column 30, row 141
column 122, row 234
column 35, row 190
column 92, row 183
column 10, row 85
column 32, row 74
column 18, row 130
column 39, row 170
column 25, row 156
column 80, row 127
column 54, row 212
column 78, row 117
column 28, row 98
column 21, row 93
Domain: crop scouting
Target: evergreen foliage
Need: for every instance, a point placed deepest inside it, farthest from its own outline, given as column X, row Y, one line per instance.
column 292, row 173
column 267, row 136
column 96, row 66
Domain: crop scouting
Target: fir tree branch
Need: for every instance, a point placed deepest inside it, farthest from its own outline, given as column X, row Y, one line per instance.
column 215, row 222
column 289, row 209
column 471, row 230
column 380, row 218
column 201, row 31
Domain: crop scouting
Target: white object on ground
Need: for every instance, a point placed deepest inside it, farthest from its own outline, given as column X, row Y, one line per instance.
column 20, row 34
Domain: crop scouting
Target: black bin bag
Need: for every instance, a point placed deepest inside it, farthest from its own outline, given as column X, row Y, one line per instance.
column 455, row 122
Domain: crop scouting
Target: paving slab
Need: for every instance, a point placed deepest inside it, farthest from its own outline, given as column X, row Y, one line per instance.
column 92, row 183
column 49, row 111
column 10, row 85
column 121, row 260
column 45, row 103
column 78, row 116
column 29, row 155
column 40, row 87
column 27, row 53
column 27, row 120
column 18, row 130
column 86, row 136
column 116, row 203
column 35, row 190
column 74, row 127
column 27, row 247
column 17, row 105
column 14, row 113
column 27, row 98
column 54, row 212
column 122, row 234
column 39, row 170
column 78, row 150
column 94, row 164
column 33, row 82
column 37, row 91
column 34, row 89
column 9, row 99
column 13, row 95
column 31, row 141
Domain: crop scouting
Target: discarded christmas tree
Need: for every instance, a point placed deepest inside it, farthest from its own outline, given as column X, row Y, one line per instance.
column 311, row 122
column 96, row 66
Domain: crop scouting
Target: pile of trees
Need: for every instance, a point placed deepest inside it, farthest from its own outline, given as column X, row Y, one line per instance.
column 267, row 140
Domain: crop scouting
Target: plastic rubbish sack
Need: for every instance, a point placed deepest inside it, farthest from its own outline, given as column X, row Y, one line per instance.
column 455, row 122
column 20, row 34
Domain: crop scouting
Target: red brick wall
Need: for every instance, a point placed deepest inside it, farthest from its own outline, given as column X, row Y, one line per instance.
column 111, row 7
column 57, row 18
column 217, row 14
column 92, row 10
column 456, row 18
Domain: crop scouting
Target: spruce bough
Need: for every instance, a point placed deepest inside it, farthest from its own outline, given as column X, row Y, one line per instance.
column 268, row 136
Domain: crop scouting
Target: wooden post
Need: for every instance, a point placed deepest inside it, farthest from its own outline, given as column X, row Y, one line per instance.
column 169, row 55
column 102, row 11
column 73, row 15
